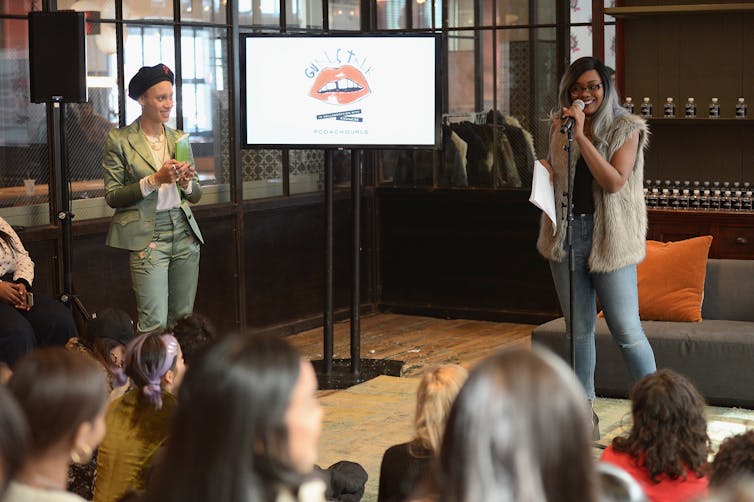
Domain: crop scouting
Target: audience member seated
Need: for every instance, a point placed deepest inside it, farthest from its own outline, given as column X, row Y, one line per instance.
column 258, row 442
column 193, row 332
column 519, row 431
column 734, row 459
column 64, row 397
column 616, row 485
column 138, row 423
column 25, row 323
column 666, row 449
column 104, row 339
column 407, row 466
column 14, row 438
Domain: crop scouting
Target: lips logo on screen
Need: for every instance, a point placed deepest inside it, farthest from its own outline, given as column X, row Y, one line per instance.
column 339, row 86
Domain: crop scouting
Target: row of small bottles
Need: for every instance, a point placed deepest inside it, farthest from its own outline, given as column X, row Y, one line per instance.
column 723, row 196
column 645, row 110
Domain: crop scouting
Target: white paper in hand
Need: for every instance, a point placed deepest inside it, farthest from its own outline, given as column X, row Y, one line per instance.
column 543, row 194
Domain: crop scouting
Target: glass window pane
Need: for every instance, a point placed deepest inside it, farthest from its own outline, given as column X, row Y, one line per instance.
column 509, row 12
column 461, row 84
column 422, row 15
column 100, row 9
column 262, row 173
column 581, row 42
column 581, row 11
column 460, row 13
column 87, row 124
column 205, row 107
column 146, row 46
column 148, row 9
column 546, row 12
column 610, row 45
column 24, row 170
column 391, row 15
column 608, row 4
column 259, row 13
column 19, row 6
column 307, row 170
column 406, row 167
column 212, row 11
column 345, row 15
column 526, row 90
column 304, row 14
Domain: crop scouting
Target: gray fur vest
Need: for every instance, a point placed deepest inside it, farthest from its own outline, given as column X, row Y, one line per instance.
column 620, row 218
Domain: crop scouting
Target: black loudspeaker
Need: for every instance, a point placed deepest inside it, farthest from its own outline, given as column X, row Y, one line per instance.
column 57, row 56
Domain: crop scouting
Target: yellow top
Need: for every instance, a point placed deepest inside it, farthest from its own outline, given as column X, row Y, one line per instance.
column 135, row 431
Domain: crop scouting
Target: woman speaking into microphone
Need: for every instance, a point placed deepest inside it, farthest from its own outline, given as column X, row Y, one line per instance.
column 610, row 218
column 150, row 190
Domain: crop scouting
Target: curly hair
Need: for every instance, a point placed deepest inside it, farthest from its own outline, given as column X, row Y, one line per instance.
column 734, row 458
column 669, row 432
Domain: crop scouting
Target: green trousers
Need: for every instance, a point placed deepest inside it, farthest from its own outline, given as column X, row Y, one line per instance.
column 165, row 273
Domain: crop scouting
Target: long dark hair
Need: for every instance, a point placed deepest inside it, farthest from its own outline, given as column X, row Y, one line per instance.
column 669, row 430
column 518, row 432
column 239, row 451
column 58, row 390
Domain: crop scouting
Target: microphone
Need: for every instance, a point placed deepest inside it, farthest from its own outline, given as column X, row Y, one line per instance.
column 569, row 121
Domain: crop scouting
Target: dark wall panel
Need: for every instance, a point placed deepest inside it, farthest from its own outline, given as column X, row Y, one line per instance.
column 285, row 262
column 471, row 251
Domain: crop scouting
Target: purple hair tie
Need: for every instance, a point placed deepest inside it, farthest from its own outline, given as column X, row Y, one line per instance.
column 119, row 377
column 153, row 389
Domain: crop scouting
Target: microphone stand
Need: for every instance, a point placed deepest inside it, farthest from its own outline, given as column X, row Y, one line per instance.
column 571, row 259
column 569, row 244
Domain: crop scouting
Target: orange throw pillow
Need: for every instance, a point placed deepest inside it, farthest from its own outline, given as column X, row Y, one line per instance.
column 671, row 280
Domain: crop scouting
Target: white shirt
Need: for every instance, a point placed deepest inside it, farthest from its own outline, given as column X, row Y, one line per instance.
column 168, row 196
column 15, row 261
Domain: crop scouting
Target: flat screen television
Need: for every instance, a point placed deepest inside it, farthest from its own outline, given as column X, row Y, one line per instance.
column 350, row 91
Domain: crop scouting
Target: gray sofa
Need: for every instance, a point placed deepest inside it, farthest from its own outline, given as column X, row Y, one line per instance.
column 717, row 354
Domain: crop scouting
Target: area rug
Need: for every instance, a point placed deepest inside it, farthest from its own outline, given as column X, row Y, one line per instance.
column 361, row 422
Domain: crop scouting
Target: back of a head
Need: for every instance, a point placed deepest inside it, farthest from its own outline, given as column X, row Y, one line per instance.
column 148, row 358
column 616, row 485
column 111, row 323
column 437, row 391
column 239, row 451
column 518, row 431
column 669, row 426
column 14, row 438
column 58, row 390
column 734, row 458
column 194, row 332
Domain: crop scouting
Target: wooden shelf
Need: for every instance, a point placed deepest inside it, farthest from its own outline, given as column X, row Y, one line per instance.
column 658, row 10
column 699, row 121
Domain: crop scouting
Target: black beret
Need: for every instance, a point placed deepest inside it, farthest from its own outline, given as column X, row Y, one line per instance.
column 146, row 77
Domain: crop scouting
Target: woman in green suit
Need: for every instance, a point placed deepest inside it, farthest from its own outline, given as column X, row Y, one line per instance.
column 150, row 190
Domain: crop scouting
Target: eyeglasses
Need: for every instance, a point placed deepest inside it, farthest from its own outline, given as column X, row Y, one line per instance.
column 592, row 88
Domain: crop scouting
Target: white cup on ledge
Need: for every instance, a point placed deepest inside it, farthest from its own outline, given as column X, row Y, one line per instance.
column 29, row 185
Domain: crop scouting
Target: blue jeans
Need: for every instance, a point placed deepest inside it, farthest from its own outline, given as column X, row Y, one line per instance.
column 619, row 297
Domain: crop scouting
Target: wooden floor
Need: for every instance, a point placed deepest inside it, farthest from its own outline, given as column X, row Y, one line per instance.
column 418, row 341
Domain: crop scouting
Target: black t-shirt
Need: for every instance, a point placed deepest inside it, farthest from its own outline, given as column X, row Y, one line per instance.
column 583, row 199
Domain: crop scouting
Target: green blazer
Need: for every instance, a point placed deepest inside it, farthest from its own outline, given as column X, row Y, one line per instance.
column 126, row 160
